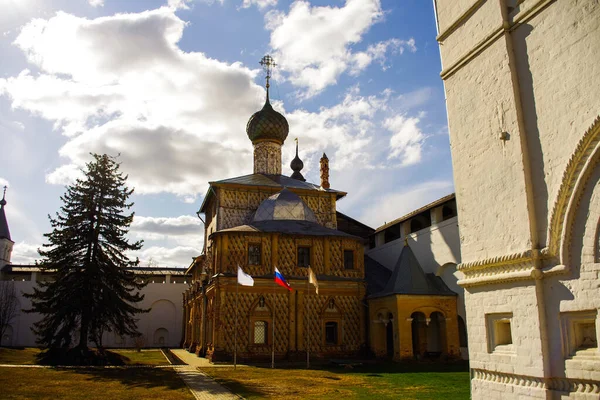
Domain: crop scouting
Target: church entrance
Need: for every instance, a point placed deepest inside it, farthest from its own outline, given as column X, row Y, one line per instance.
column 419, row 338
column 389, row 338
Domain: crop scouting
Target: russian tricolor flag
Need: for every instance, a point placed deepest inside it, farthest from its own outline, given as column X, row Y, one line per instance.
column 280, row 280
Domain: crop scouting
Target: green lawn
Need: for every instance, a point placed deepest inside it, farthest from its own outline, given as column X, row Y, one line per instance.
column 92, row 384
column 27, row 356
column 388, row 381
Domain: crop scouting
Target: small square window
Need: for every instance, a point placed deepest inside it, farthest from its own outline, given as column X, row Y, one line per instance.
column 254, row 254
column 579, row 333
column 348, row 259
column 303, row 256
column 499, row 333
column 331, row 332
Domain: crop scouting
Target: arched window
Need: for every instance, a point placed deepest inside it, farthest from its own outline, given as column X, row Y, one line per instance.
column 260, row 332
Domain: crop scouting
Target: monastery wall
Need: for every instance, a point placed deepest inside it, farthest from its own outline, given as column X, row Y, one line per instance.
column 163, row 320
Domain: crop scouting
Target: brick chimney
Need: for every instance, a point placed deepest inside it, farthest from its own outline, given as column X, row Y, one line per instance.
column 324, row 171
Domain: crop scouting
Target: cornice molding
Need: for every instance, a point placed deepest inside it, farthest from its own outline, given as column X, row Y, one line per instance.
column 514, row 258
column 554, row 384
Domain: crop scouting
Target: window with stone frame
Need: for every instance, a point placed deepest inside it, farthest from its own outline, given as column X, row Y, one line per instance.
column 579, row 336
column 331, row 333
column 254, row 254
column 303, row 256
column 260, row 332
column 348, row 259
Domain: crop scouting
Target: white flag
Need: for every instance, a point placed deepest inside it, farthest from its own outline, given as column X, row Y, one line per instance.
column 312, row 278
column 244, row 279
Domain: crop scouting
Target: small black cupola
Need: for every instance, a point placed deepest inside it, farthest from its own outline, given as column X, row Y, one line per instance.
column 297, row 166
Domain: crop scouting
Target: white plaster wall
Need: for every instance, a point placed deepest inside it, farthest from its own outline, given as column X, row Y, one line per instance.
column 520, row 300
column 488, row 173
column 470, row 32
column 168, row 314
column 558, row 60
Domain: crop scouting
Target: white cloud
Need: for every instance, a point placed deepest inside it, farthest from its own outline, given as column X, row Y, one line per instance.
column 180, row 256
column 393, row 205
column 122, row 85
column 407, row 139
column 313, row 45
column 4, row 182
column 157, row 228
column 261, row 4
column 96, row 3
column 25, row 253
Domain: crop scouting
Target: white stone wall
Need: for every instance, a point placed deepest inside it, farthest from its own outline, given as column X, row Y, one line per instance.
column 532, row 72
column 165, row 301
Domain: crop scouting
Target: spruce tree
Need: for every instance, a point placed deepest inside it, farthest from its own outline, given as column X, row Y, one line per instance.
column 93, row 290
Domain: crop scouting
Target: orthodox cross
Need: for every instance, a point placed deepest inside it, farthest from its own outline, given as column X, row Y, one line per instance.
column 4, row 195
column 268, row 63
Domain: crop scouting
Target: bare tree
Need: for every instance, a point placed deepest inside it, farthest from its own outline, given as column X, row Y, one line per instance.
column 9, row 306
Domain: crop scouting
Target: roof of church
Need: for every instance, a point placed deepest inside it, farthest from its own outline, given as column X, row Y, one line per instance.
column 268, row 180
column 408, row 278
column 4, row 231
column 288, row 227
column 284, row 205
column 376, row 275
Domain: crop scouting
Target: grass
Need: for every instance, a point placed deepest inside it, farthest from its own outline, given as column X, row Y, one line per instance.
column 386, row 381
column 30, row 356
column 92, row 384
column 18, row 356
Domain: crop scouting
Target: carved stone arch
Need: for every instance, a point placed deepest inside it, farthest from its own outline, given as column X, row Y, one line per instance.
column 255, row 306
column 577, row 172
column 338, row 309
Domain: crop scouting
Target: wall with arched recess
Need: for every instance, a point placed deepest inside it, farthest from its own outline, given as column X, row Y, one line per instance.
column 571, row 295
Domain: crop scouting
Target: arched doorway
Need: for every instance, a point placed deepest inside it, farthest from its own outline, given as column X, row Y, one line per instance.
column 436, row 334
column 389, row 336
column 419, row 338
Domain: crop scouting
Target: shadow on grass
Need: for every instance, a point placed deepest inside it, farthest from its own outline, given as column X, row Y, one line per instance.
column 242, row 390
column 146, row 378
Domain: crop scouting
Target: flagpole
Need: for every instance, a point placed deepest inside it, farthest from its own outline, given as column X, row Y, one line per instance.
column 307, row 321
column 273, row 326
column 237, row 286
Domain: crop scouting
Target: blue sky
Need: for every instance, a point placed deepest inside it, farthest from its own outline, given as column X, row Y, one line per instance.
column 169, row 85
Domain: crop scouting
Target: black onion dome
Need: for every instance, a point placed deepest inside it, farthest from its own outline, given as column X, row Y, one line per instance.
column 267, row 124
column 297, row 166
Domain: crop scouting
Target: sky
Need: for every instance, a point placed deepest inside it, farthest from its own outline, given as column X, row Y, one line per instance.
column 168, row 86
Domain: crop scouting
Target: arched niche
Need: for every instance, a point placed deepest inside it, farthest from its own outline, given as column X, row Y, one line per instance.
column 576, row 176
column 161, row 337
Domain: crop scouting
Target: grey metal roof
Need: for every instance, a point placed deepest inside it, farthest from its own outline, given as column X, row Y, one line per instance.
column 137, row 270
column 284, row 205
column 408, row 278
column 267, row 180
column 288, row 227
column 376, row 275
column 275, row 181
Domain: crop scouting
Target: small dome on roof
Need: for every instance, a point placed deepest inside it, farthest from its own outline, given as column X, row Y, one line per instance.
column 267, row 124
column 284, row 205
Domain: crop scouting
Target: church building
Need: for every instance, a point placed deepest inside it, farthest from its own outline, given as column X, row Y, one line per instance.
column 264, row 221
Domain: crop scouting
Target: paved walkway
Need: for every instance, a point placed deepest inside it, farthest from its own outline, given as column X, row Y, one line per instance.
column 201, row 385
